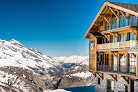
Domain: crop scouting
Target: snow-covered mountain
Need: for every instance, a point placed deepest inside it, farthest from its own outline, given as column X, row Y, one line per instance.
column 13, row 53
column 76, row 76
column 71, row 59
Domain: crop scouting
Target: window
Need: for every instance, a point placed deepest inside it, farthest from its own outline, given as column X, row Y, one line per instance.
column 122, row 21
column 133, row 20
column 98, row 80
column 114, row 23
column 128, row 36
column 122, row 59
column 112, row 39
column 132, row 60
column 110, row 85
column 121, row 37
column 126, row 88
column 106, row 26
column 132, row 36
column 132, row 63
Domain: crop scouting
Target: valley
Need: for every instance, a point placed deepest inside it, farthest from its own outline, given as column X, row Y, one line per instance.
column 24, row 69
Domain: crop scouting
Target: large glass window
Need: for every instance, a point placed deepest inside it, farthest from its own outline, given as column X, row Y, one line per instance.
column 114, row 23
column 132, row 63
column 133, row 20
column 122, row 21
column 132, row 60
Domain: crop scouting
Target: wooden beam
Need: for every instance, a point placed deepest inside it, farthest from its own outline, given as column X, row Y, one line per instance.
column 123, row 14
column 127, row 19
column 134, row 32
column 105, row 15
column 110, row 60
column 94, row 73
column 103, row 26
column 107, row 20
column 114, row 77
column 113, row 12
column 115, row 54
column 110, row 20
column 126, row 79
column 134, row 55
column 100, row 74
column 115, row 35
column 98, row 24
column 108, row 37
column 118, row 61
column 127, row 62
column 118, row 19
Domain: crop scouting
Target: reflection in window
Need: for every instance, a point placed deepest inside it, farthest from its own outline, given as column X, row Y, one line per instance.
column 122, row 21
column 132, row 36
column 121, row 37
column 132, row 20
column 114, row 23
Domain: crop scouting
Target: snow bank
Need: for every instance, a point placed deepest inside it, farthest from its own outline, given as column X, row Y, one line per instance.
column 57, row 90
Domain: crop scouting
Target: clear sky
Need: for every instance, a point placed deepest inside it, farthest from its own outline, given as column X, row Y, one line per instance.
column 54, row 27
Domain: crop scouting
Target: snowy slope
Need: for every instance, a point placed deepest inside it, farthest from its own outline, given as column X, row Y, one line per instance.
column 71, row 59
column 15, row 79
column 77, row 75
column 13, row 53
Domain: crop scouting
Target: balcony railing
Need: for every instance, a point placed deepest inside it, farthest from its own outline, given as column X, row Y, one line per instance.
column 120, row 69
column 117, row 45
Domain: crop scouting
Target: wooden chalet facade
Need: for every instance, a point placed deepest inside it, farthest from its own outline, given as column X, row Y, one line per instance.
column 113, row 47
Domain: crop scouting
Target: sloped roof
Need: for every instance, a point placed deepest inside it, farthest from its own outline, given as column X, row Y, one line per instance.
column 130, row 6
column 125, row 7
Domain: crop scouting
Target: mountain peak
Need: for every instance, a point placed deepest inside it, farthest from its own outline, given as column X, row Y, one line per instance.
column 15, row 42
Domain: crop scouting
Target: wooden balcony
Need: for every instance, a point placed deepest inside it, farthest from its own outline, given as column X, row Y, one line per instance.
column 131, row 70
column 116, row 45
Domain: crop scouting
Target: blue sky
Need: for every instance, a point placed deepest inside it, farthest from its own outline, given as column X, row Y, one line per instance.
column 54, row 27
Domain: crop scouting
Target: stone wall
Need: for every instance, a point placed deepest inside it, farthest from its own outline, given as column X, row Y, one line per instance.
column 118, row 85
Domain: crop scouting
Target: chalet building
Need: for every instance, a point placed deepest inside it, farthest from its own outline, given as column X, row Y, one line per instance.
column 113, row 47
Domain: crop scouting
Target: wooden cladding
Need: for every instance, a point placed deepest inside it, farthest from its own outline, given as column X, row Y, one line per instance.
column 93, row 54
column 92, row 61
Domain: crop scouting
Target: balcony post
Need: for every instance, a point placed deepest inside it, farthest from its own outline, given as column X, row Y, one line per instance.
column 103, row 26
column 136, row 64
column 118, row 19
column 110, row 25
column 118, row 60
column 127, row 19
column 127, row 62
column 110, row 62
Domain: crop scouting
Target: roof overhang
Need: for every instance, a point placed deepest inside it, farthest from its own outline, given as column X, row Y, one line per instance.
column 106, row 3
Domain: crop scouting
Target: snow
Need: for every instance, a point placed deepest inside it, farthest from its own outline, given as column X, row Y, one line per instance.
column 57, row 90
column 76, row 67
column 82, row 74
column 13, row 53
column 71, row 59
column 6, row 78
